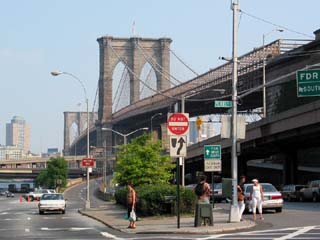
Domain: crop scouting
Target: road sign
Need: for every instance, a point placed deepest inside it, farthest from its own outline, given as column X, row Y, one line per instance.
column 222, row 104
column 199, row 122
column 178, row 123
column 308, row 83
column 212, row 165
column 212, row 152
column 178, row 146
column 212, row 158
column 87, row 162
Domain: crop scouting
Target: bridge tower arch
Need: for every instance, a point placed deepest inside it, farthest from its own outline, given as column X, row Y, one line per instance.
column 78, row 118
column 134, row 53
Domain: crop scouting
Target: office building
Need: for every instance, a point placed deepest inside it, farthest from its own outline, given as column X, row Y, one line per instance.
column 18, row 134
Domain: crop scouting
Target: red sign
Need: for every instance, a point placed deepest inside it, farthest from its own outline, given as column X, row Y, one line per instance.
column 87, row 162
column 178, row 123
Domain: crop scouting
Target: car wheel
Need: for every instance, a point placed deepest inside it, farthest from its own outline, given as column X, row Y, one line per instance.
column 278, row 210
column 31, row 199
column 314, row 197
column 63, row 211
column 41, row 212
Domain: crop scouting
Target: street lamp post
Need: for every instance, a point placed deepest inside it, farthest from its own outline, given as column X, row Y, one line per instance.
column 122, row 134
column 157, row 114
column 57, row 73
column 234, row 209
column 264, row 96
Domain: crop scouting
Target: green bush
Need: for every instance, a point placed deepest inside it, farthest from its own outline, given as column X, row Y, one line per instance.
column 152, row 199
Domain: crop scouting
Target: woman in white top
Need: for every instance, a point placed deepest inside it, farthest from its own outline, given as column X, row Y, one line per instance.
column 256, row 196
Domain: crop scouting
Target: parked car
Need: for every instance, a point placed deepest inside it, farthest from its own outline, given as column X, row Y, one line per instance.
column 311, row 192
column 217, row 193
column 9, row 194
column 37, row 194
column 292, row 192
column 272, row 197
column 52, row 202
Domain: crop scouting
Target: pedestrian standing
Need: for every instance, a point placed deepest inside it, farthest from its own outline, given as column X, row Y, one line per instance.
column 241, row 196
column 203, row 190
column 131, row 205
column 256, row 196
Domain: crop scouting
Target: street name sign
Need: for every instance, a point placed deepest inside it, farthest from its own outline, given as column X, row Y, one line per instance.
column 308, row 83
column 178, row 123
column 87, row 162
column 222, row 104
column 178, row 146
column 212, row 158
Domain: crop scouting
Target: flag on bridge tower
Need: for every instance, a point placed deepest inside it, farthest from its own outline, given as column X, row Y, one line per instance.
column 133, row 29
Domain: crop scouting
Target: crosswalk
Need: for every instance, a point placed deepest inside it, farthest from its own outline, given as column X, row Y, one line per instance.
column 307, row 232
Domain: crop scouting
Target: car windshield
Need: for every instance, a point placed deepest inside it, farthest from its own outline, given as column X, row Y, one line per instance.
column 265, row 187
column 52, row 197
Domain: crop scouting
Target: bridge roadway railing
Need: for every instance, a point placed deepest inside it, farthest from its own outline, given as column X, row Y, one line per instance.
column 248, row 63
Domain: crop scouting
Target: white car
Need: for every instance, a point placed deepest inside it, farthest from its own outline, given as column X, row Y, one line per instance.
column 272, row 197
column 52, row 202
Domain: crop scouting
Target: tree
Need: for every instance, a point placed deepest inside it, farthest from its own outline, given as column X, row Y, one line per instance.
column 57, row 169
column 141, row 162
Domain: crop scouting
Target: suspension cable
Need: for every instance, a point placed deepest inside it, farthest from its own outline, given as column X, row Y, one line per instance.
column 120, row 83
column 146, row 80
column 160, row 70
column 187, row 66
column 132, row 72
column 122, row 88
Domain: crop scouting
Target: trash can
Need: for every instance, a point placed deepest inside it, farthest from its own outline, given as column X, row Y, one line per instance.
column 203, row 214
column 170, row 204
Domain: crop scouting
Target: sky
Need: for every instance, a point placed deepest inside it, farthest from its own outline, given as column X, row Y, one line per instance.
column 39, row 36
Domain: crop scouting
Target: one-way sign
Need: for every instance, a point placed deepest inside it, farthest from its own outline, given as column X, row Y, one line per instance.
column 178, row 146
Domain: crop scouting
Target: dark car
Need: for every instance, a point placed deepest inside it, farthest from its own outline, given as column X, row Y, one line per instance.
column 292, row 192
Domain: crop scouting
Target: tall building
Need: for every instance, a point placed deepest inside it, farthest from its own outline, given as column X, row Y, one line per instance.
column 18, row 134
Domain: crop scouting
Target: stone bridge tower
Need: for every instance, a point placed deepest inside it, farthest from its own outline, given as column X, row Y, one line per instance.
column 80, row 119
column 126, row 50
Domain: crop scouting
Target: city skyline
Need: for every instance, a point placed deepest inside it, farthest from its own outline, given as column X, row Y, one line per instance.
column 40, row 37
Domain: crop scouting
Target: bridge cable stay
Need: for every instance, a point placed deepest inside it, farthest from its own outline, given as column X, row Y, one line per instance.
column 148, row 78
column 154, row 63
column 120, row 83
column 183, row 62
column 95, row 100
column 157, row 91
column 123, row 79
column 137, row 77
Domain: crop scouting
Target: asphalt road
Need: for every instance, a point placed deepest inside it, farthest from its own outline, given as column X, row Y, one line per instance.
column 22, row 221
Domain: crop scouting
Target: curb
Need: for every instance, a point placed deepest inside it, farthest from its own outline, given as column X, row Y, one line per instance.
column 180, row 231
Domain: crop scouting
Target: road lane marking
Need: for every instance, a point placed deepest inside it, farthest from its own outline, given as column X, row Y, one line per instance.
column 65, row 229
column 27, row 230
column 296, row 233
column 108, row 235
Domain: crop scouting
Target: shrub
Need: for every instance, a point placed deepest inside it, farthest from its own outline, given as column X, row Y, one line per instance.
column 152, row 199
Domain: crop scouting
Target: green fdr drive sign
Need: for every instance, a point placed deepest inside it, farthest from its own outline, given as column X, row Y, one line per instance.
column 308, row 83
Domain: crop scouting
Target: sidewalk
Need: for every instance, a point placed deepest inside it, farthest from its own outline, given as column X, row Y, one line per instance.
column 113, row 215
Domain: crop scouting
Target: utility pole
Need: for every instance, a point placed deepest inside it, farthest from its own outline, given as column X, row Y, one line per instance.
column 234, row 209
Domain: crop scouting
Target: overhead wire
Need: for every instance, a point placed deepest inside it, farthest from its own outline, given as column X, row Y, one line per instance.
column 274, row 24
